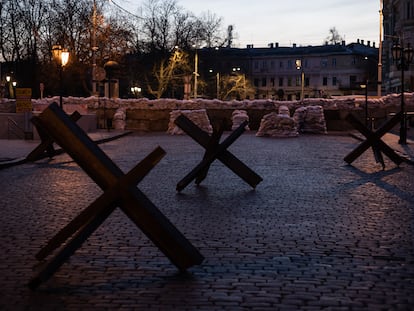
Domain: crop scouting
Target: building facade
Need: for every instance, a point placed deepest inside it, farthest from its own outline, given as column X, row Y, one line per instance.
column 398, row 16
column 291, row 73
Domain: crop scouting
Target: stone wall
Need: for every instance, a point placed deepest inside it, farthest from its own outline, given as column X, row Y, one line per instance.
column 153, row 115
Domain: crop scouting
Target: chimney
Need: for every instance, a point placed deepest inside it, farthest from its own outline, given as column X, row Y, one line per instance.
column 358, row 41
column 294, row 45
column 373, row 44
column 277, row 44
column 362, row 42
column 270, row 45
column 343, row 42
column 369, row 43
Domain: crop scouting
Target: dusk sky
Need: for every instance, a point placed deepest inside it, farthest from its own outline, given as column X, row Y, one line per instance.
column 302, row 22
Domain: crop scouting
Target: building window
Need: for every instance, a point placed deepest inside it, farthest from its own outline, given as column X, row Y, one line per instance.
column 298, row 81
column 334, row 62
column 264, row 82
column 289, row 64
column 272, row 64
column 256, row 82
column 280, row 81
column 280, row 64
column 289, row 83
column 256, row 65
column 324, row 63
column 307, row 81
column 334, row 81
column 325, row 81
column 352, row 81
column 272, row 82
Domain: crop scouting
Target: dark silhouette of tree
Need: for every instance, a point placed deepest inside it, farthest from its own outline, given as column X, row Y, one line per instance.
column 334, row 36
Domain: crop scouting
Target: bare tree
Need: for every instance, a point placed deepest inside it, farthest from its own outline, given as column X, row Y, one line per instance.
column 168, row 72
column 211, row 29
column 334, row 36
column 235, row 86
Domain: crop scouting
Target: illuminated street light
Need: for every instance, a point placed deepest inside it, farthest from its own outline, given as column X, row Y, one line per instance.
column 14, row 84
column 9, row 91
column 136, row 91
column 402, row 58
column 217, row 82
column 61, row 57
column 299, row 66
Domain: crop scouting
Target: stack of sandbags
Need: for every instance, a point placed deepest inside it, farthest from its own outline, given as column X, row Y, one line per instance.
column 238, row 117
column 199, row 117
column 120, row 119
column 284, row 110
column 310, row 119
column 277, row 125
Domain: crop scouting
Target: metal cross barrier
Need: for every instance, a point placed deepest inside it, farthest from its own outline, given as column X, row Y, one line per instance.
column 215, row 150
column 373, row 139
column 119, row 190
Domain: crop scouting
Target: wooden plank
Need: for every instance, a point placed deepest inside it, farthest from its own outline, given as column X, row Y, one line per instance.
column 106, row 174
column 105, row 201
column 212, row 145
column 46, row 144
column 223, row 155
column 373, row 138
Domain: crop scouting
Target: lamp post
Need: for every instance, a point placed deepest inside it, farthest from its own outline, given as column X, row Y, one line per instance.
column 61, row 56
column 365, row 87
column 195, row 73
column 402, row 58
column 217, row 83
column 8, row 78
column 302, row 74
column 14, row 85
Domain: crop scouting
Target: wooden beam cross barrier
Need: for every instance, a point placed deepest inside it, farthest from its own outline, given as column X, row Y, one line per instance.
column 373, row 139
column 119, row 190
column 45, row 148
column 215, row 150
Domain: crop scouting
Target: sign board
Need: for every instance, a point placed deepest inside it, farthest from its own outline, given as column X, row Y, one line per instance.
column 23, row 100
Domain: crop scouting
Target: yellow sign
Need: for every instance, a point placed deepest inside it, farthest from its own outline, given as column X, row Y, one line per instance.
column 23, row 100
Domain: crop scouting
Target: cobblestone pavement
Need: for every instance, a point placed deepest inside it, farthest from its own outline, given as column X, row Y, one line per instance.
column 316, row 234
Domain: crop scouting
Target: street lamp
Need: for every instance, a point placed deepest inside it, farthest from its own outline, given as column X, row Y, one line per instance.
column 302, row 82
column 9, row 93
column 217, row 82
column 365, row 87
column 61, row 56
column 13, row 89
column 402, row 58
column 195, row 72
column 136, row 91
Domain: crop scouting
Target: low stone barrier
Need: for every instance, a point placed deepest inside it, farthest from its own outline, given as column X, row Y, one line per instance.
column 154, row 115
